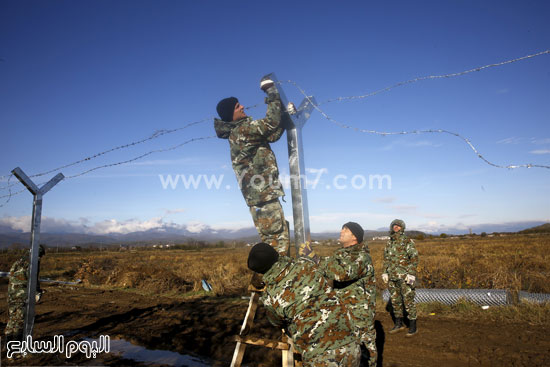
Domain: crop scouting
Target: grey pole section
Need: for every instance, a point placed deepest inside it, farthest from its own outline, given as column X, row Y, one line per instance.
column 294, row 124
column 38, row 193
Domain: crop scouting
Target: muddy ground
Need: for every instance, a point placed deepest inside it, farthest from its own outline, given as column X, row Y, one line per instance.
column 204, row 327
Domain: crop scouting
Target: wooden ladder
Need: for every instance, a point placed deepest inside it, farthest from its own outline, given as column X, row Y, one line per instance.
column 285, row 344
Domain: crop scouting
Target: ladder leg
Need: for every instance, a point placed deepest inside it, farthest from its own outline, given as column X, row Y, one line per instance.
column 288, row 355
column 238, row 354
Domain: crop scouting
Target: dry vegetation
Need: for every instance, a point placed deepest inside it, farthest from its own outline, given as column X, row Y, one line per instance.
column 517, row 262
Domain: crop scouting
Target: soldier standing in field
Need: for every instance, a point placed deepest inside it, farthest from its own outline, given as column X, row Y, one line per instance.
column 400, row 263
column 17, row 295
column 254, row 162
column 297, row 297
column 351, row 270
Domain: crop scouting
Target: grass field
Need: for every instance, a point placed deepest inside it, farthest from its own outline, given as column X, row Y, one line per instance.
column 515, row 262
column 154, row 298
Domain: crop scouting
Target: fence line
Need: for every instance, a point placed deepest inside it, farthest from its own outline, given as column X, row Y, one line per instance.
column 385, row 133
column 452, row 75
column 8, row 196
column 159, row 133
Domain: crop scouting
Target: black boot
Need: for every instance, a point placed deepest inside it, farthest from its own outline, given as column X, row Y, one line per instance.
column 412, row 328
column 398, row 325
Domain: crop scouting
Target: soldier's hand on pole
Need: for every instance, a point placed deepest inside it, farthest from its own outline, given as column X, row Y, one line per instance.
column 290, row 108
column 266, row 83
column 385, row 278
column 410, row 279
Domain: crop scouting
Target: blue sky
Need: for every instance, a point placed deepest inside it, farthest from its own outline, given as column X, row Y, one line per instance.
column 81, row 77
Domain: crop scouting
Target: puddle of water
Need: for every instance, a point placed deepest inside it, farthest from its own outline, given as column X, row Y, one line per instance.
column 127, row 350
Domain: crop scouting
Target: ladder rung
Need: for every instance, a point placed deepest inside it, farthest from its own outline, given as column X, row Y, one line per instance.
column 274, row 344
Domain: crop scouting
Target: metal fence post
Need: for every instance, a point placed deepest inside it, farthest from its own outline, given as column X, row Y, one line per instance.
column 294, row 124
column 38, row 193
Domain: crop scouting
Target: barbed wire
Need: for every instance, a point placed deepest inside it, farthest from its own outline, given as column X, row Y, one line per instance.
column 159, row 133
column 142, row 156
column 452, row 75
column 9, row 196
column 384, row 133
column 154, row 135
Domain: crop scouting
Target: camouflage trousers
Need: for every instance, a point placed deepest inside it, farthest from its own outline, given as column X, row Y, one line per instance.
column 269, row 220
column 402, row 296
column 347, row 356
column 16, row 321
column 368, row 338
column 365, row 326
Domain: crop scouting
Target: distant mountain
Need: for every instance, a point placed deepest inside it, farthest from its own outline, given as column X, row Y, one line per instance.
column 9, row 236
column 56, row 239
column 510, row 227
column 543, row 228
column 159, row 235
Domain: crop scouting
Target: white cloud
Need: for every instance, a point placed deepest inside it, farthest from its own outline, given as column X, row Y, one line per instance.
column 540, row 151
column 424, row 143
column 233, row 226
column 512, row 140
column 83, row 225
column 17, row 223
column 405, row 208
column 173, row 211
column 541, row 141
column 436, row 227
column 127, row 226
column 331, row 221
column 433, row 216
column 195, row 227
column 384, row 200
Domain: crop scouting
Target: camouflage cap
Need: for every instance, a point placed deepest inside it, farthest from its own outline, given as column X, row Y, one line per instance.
column 398, row 222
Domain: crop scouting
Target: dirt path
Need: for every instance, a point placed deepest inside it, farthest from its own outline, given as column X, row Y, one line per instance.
column 205, row 327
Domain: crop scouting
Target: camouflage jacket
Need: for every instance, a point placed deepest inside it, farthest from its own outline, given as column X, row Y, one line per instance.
column 298, row 297
column 18, row 280
column 400, row 257
column 352, row 273
column 252, row 158
column 351, row 266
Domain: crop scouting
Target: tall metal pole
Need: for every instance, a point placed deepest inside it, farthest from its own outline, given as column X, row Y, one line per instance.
column 38, row 193
column 295, row 123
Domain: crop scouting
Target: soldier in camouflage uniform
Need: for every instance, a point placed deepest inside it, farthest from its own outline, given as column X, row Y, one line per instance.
column 17, row 295
column 351, row 270
column 254, row 162
column 298, row 298
column 400, row 262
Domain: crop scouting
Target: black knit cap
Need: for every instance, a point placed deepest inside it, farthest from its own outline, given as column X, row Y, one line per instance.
column 356, row 230
column 262, row 257
column 226, row 107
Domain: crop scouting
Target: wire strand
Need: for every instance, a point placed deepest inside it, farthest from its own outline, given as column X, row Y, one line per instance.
column 384, row 133
column 452, row 75
column 159, row 133
column 9, row 196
